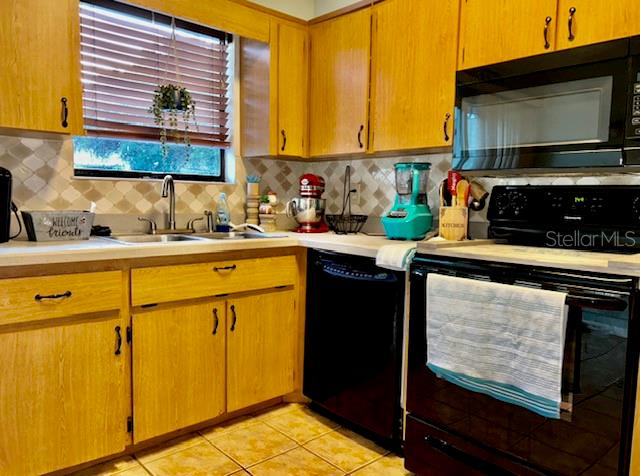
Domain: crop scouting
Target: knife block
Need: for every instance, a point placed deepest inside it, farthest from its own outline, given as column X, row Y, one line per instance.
column 454, row 223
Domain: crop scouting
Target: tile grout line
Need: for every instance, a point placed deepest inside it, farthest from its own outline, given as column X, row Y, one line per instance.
column 307, row 441
column 289, row 451
column 225, row 454
column 368, row 464
column 257, row 462
column 148, row 471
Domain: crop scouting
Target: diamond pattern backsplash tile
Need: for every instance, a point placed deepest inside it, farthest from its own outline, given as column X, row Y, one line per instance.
column 375, row 179
column 43, row 180
column 42, row 172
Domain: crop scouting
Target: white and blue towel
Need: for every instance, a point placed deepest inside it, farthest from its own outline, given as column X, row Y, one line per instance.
column 396, row 256
column 500, row 340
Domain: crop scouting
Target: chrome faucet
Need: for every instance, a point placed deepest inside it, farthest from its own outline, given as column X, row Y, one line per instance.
column 168, row 190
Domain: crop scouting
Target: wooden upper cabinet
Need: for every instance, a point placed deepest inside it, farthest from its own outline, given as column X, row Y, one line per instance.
column 178, row 367
column 492, row 31
column 292, row 90
column 40, row 51
column 413, row 74
column 274, row 93
column 64, row 395
column 593, row 21
column 339, row 84
column 261, row 347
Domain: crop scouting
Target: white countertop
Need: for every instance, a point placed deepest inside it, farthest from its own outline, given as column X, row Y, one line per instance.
column 21, row 253
column 608, row 263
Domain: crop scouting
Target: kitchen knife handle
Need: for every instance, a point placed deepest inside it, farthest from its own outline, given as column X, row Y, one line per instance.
column 235, row 318
column 447, row 116
column 572, row 12
column 547, row 21
column 216, row 321
column 284, row 139
column 360, row 136
column 64, row 116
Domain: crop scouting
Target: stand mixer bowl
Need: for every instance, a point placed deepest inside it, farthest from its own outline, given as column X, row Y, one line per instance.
column 305, row 210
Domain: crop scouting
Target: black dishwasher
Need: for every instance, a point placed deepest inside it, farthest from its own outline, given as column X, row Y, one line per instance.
column 353, row 342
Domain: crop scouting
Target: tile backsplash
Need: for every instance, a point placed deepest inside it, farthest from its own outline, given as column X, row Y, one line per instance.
column 375, row 178
column 43, row 179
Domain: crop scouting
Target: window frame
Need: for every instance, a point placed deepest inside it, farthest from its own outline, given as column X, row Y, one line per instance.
column 128, row 174
column 139, row 175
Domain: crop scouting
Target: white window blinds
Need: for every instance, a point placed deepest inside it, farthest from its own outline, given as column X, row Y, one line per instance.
column 127, row 52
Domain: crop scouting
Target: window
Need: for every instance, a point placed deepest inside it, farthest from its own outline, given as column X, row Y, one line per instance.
column 127, row 52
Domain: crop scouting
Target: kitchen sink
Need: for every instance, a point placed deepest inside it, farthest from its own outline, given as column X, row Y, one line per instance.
column 170, row 238
column 235, row 235
column 151, row 238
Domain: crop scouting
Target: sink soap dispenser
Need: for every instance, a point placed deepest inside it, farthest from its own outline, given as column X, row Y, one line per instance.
column 223, row 215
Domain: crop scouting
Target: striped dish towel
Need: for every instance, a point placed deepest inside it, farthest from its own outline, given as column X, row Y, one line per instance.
column 397, row 256
column 501, row 340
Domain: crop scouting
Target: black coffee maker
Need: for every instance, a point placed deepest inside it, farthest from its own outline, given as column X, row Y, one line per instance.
column 5, row 205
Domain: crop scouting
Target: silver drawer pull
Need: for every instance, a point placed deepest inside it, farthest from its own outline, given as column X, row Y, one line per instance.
column 52, row 297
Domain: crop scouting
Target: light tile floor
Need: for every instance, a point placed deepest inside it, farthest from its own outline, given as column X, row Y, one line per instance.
column 288, row 440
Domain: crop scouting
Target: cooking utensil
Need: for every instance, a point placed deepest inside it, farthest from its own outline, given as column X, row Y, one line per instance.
column 462, row 193
column 479, row 195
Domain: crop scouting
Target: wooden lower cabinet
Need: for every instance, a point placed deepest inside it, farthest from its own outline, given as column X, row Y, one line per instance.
column 261, row 347
column 178, row 367
column 63, row 395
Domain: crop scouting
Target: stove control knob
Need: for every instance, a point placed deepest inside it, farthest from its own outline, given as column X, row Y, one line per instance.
column 518, row 202
column 502, row 203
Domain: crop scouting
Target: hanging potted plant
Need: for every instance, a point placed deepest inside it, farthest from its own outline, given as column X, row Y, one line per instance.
column 170, row 102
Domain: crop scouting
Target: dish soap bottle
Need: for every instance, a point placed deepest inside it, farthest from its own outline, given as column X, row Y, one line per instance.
column 223, row 215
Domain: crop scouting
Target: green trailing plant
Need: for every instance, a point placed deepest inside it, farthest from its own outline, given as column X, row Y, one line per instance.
column 169, row 103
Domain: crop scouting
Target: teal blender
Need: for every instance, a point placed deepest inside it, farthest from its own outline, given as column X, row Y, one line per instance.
column 410, row 217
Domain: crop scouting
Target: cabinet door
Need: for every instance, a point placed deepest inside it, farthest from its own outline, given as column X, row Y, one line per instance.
column 492, row 31
column 339, row 84
column 261, row 348
column 178, row 367
column 292, row 90
column 593, row 21
column 63, row 396
column 40, row 50
column 413, row 79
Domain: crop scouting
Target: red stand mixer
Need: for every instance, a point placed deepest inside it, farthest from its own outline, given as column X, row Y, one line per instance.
column 308, row 208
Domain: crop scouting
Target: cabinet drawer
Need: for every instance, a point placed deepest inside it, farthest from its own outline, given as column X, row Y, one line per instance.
column 48, row 297
column 177, row 283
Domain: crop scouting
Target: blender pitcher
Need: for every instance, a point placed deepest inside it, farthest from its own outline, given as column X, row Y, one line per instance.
column 410, row 217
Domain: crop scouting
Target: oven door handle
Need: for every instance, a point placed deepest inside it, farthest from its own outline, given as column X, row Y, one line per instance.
column 604, row 304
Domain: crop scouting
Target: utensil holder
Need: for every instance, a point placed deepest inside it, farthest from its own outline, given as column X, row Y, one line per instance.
column 454, row 223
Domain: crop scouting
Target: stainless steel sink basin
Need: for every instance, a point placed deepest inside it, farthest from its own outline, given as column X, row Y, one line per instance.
column 151, row 238
column 235, row 235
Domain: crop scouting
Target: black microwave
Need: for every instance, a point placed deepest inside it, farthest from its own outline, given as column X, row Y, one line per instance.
column 567, row 109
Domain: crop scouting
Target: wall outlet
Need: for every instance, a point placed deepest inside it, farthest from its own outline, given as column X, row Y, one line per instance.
column 355, row 196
